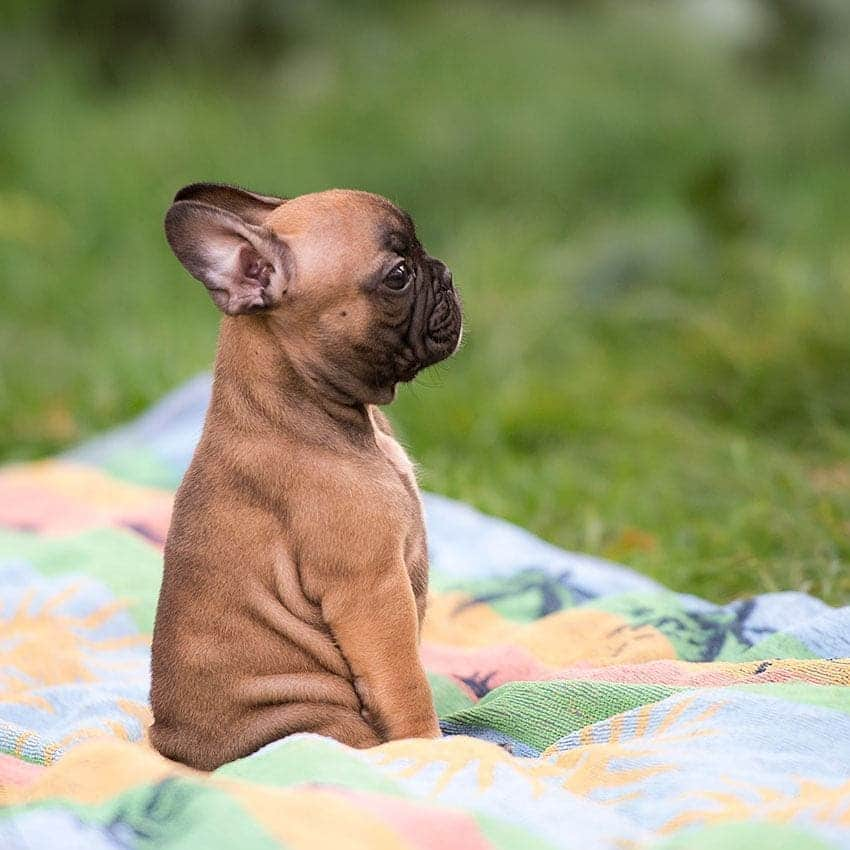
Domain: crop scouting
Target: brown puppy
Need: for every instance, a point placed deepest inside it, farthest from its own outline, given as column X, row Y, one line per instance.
column 296, row 567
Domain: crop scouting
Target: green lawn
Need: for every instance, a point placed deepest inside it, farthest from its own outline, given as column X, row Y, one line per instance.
column 651, row 234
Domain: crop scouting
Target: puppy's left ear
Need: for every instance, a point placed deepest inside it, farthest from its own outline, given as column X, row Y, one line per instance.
column 249, row 206
column 245, row 266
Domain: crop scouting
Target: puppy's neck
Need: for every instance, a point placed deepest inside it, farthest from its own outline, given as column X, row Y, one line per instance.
column 259, row 386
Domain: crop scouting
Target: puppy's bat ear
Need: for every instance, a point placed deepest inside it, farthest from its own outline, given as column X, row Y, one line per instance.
column 249, row 206
column 245, row 267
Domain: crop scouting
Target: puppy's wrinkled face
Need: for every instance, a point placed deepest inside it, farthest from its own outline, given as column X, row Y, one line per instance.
column 340, row 275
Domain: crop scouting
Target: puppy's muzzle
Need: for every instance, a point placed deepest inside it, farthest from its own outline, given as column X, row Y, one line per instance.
column 442, row 327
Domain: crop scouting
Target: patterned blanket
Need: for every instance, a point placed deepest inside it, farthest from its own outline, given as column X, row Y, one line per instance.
column 630, row 716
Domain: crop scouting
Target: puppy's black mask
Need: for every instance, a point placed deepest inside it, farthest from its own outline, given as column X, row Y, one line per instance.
column 420, row 323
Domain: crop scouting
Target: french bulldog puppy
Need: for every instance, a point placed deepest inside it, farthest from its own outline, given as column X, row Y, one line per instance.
column 296, row 566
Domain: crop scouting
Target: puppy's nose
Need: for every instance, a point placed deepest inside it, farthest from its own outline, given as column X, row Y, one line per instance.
column 446, row 278
column 440, row 274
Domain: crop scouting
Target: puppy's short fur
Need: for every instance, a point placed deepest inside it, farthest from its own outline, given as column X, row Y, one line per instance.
column 296, row 566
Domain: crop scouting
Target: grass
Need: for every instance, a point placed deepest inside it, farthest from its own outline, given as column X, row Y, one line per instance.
column 650, row 234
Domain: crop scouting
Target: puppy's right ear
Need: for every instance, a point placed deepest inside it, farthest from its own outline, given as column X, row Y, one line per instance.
column 245, row 267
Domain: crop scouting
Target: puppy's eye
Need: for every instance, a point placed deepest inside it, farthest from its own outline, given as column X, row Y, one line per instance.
column 399, row 276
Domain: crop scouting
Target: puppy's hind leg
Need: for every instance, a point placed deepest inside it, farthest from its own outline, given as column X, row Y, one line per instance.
column 322, row 703
column 268, row 723
column 348, row 727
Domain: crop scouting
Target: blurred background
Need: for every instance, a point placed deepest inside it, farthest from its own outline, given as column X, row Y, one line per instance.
column 646, row 207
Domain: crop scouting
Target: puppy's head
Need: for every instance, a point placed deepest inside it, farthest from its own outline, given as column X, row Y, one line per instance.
column 340, row 276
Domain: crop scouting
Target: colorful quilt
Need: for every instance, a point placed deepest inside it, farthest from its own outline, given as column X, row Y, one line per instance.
column 583, row 706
